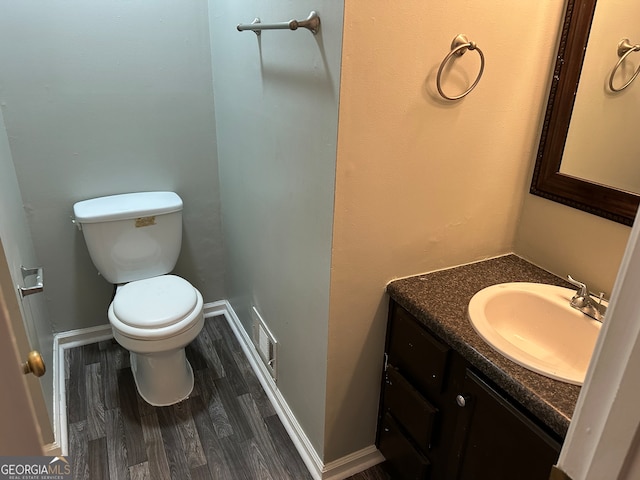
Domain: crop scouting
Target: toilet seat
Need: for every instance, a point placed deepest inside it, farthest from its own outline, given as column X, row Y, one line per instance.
column 155, row 308
column 154, row 302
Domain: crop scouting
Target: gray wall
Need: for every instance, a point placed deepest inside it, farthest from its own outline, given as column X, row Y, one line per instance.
column 276, row 118
column 109, row 97
column 16, row 245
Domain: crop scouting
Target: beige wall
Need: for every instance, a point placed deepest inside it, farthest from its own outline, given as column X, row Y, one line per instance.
column 421, row 183
column 567, row 241
column 564, row 240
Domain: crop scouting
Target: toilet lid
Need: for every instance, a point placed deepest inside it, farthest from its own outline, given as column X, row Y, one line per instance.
column 154, row 302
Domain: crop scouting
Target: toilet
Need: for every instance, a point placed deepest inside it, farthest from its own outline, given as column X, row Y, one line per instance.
column 134, row 240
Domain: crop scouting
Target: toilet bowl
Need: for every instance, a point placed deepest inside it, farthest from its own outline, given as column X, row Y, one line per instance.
column 155, row 319
column 134, row 240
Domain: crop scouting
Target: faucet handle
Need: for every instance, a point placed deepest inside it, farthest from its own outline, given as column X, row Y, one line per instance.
column 582, row 292
column 581, row 297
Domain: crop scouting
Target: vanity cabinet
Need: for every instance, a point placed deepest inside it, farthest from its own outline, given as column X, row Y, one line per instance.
column 440, row 419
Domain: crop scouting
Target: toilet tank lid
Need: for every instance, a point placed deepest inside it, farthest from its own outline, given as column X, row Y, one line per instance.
column 126, row 206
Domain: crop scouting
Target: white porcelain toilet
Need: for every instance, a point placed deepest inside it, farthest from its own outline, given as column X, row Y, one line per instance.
column 134, row 240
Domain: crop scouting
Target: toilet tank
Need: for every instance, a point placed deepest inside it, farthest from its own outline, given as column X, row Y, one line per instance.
column 132, row 236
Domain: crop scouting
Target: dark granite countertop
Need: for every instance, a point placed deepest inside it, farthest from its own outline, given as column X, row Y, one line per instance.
column 439, row 300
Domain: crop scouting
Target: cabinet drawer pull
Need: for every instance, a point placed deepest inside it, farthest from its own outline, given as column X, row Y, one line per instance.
column 462, row 400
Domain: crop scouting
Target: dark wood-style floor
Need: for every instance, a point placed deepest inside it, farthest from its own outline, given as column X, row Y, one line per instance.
column 226, row 429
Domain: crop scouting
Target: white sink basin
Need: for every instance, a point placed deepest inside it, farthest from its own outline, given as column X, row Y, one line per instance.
column 534, row 325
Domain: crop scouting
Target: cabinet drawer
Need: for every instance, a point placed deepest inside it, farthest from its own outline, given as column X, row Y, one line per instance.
column 402, row 460
column 414, row 414
column 418, row 356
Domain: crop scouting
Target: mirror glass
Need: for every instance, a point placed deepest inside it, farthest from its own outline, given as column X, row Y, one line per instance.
column 587, row 157
column 602, row 144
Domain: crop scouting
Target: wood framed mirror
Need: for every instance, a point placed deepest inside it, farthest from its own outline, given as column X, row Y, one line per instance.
column 548, row 182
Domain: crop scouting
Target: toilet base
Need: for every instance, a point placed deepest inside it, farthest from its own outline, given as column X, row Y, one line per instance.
column 163, row 378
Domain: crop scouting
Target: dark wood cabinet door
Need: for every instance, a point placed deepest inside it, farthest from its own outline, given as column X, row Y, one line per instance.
column 494, row 440
column 403, row 461
column 410, row 409
column 419, row 356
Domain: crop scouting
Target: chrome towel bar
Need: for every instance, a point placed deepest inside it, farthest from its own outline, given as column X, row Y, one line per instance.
column 311, row 23
column 459, row 46
column 625, row 48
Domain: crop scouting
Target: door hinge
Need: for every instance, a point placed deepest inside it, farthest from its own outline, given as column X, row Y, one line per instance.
column 386, row 361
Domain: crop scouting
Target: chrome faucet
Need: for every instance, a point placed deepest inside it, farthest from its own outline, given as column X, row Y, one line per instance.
column 584, row 302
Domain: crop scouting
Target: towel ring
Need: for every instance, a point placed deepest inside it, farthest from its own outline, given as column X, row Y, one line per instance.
column 625, row 48
column 459, row 46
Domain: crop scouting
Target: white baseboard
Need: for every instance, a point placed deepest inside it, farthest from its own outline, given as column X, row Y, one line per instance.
column 336, row 470
column 288, row 419
column 351, row 464
column 62, row 341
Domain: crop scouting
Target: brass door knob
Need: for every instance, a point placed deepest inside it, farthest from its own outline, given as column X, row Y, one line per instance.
column 34, row 364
